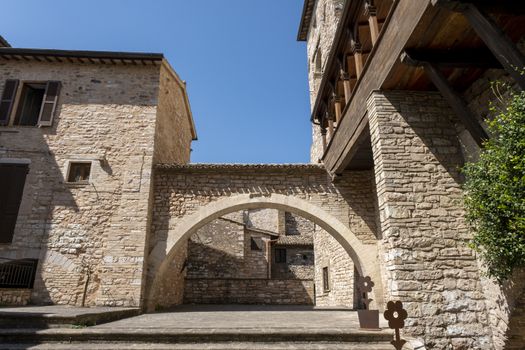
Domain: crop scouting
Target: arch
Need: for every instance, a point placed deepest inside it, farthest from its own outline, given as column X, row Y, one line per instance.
column 363, row 256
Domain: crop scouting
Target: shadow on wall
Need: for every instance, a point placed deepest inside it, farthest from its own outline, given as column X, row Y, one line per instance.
column 64, row 225
column 358, row 189
column 216, row 277
column 45, row 196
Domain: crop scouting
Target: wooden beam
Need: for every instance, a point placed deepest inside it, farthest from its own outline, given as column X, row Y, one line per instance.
column 513, row 7
column 458, row 58
column 500, row 44
column 457, row 103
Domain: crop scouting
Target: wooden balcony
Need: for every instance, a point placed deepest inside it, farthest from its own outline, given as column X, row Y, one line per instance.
column 450, row 49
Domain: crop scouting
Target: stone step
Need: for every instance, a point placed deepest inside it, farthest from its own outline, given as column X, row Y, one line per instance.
column 202, row 346
column 172, row 336
column 40, row 317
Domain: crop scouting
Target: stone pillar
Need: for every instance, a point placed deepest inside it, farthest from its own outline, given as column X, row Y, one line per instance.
column 426, row 258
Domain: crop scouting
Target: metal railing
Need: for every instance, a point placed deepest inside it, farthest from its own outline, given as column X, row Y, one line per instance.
column 17, row 273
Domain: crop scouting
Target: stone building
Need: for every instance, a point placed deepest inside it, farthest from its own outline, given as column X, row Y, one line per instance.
column 259, row 256
column 399, row 92
column 80, row 134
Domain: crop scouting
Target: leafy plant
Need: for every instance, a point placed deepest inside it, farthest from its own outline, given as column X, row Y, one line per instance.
column 495, row 192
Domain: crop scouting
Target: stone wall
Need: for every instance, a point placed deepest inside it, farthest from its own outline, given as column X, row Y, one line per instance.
column 296, row 225
column 329, row 253
column 222, row 249
column 102, row 225
column 173, row 113
column 249, row 291
column 319, row 42
column 171, row 290
column 427, row 262
column 299, row 263
column 182, row 191
column 14, row 297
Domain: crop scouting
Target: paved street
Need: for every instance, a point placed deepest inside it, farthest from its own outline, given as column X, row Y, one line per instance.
column 243, row 317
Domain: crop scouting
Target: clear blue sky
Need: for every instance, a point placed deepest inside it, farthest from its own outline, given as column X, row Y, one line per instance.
column 246, row 73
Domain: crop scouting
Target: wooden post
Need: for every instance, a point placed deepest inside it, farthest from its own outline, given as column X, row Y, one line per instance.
column 371, row 12
column 345, row 77
column 323, row 137
column 358, row 57
column 330, row 119
column 338, row 101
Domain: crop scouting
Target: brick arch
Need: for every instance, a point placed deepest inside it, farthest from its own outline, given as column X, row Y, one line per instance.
column 364, row 256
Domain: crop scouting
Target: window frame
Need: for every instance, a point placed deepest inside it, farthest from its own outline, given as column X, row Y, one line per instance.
column 278, row 257
column 15, row 106
column 17, row 103
column 326, row 279
column 68, row 171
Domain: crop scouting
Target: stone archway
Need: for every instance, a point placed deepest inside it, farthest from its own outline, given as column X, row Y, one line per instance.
column 364, row 256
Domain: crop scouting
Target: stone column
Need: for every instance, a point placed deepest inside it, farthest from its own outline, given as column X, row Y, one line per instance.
column 426, row 258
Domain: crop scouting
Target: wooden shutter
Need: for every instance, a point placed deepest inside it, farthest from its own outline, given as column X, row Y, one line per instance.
column 49, row 103
column 12, row 180
column 7, row 101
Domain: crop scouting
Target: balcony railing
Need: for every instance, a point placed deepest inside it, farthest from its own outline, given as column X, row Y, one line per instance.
column 357, row 34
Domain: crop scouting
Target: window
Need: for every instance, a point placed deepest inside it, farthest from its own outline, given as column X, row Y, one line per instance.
column 29, row 105
column 318, row 62
column 79, row 172
column 256, row 243
column 12, row 180
column 326, row 280
column 280, row 255
column 36, row 103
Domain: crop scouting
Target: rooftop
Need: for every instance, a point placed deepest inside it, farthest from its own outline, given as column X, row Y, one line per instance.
column 308, row 9
column 98, row 57
column 224, row 168
column 3, row 42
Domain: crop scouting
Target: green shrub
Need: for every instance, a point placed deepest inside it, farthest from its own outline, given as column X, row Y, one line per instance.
column 495, row 192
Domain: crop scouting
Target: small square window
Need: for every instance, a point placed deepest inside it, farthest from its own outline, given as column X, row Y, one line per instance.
column 79, row 172
column 280, row 255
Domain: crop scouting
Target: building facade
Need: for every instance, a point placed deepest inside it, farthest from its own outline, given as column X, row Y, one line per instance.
column 80, row 133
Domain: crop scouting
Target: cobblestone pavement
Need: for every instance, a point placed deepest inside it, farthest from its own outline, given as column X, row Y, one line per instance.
column 243, row 317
